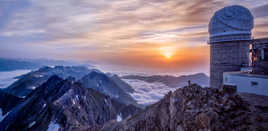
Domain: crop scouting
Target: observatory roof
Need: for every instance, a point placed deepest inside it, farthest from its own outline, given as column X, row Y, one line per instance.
column 231, row 21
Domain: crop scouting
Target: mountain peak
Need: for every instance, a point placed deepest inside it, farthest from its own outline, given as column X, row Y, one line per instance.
column 194, row 108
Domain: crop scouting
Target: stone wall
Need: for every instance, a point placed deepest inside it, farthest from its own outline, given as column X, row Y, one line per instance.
column 226, row 57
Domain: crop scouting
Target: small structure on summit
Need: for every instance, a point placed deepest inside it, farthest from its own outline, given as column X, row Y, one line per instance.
column 235, row 57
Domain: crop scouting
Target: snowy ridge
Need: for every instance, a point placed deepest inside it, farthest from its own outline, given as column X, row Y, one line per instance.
column 53, row 126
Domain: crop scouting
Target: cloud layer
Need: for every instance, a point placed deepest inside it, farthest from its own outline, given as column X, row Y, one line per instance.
column 115, row 31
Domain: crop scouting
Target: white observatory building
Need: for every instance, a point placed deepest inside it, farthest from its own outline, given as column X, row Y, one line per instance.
column 235, row 57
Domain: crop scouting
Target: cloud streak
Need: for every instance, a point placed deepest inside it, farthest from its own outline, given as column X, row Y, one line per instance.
column 106, row 30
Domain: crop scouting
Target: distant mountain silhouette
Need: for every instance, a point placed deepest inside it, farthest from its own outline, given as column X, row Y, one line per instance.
column 21, row 64
column 28, row 82
column 12, row 64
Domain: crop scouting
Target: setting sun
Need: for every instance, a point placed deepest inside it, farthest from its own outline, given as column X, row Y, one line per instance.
column 167, row 52
column 168, row 55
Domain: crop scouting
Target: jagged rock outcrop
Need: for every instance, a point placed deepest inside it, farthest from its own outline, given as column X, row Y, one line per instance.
column 193, row 109
column 29, row 82
column 111, row 86
column 65, row 105
column 259, row 105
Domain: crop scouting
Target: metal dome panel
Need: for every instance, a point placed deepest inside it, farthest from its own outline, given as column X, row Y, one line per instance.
column 231, row 23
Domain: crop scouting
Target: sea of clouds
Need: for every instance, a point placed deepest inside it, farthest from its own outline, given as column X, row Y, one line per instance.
column 148, row 93
column 8, row 77
column 145, row 93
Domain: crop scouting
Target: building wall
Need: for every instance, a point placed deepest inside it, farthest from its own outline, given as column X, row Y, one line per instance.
column 256, row 85
column 227, row 57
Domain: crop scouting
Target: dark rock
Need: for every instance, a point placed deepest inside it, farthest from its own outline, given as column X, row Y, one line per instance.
column 192, row 108
column 121, row 84
column 229, row 89
column 8, row 101
column 66, row 103
column 111, row 86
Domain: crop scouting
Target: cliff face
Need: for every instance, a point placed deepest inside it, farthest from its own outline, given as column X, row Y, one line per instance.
column 193, row 109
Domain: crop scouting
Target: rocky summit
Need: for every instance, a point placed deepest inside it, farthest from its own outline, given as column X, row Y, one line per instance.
column 110, row 85
column 64, row 105
column 193, row 108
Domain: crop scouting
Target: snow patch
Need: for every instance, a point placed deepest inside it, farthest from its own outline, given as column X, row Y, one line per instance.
column 53, row 126
column 2, row 117
column 32, row 87
column 73, row 101
column 116, row 96
column 77, row 97
column 22, row 97
column 38, row 75
column 106, row 102
column 119, row 117
column 31, row 124
column 44, row 105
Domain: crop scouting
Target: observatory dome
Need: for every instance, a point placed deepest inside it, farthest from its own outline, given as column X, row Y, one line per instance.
column 231, row 23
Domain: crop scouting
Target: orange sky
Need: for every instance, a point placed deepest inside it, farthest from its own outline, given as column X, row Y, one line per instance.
column 124, row 33
column 154, row 57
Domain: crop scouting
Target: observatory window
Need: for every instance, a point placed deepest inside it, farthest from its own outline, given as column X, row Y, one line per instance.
column 262, row 54
column 254, row 83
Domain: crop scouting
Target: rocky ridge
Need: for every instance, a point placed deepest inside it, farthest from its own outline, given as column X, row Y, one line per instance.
column 29, row 82
column 193, row 108
column 112, row 86
column 8, row 101
column 68, row 105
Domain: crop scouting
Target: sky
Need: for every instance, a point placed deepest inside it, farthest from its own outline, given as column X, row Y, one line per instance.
column 142, row 35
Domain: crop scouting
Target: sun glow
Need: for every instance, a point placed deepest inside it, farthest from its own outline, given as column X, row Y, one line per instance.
column 168, row 55
column 167, row 52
